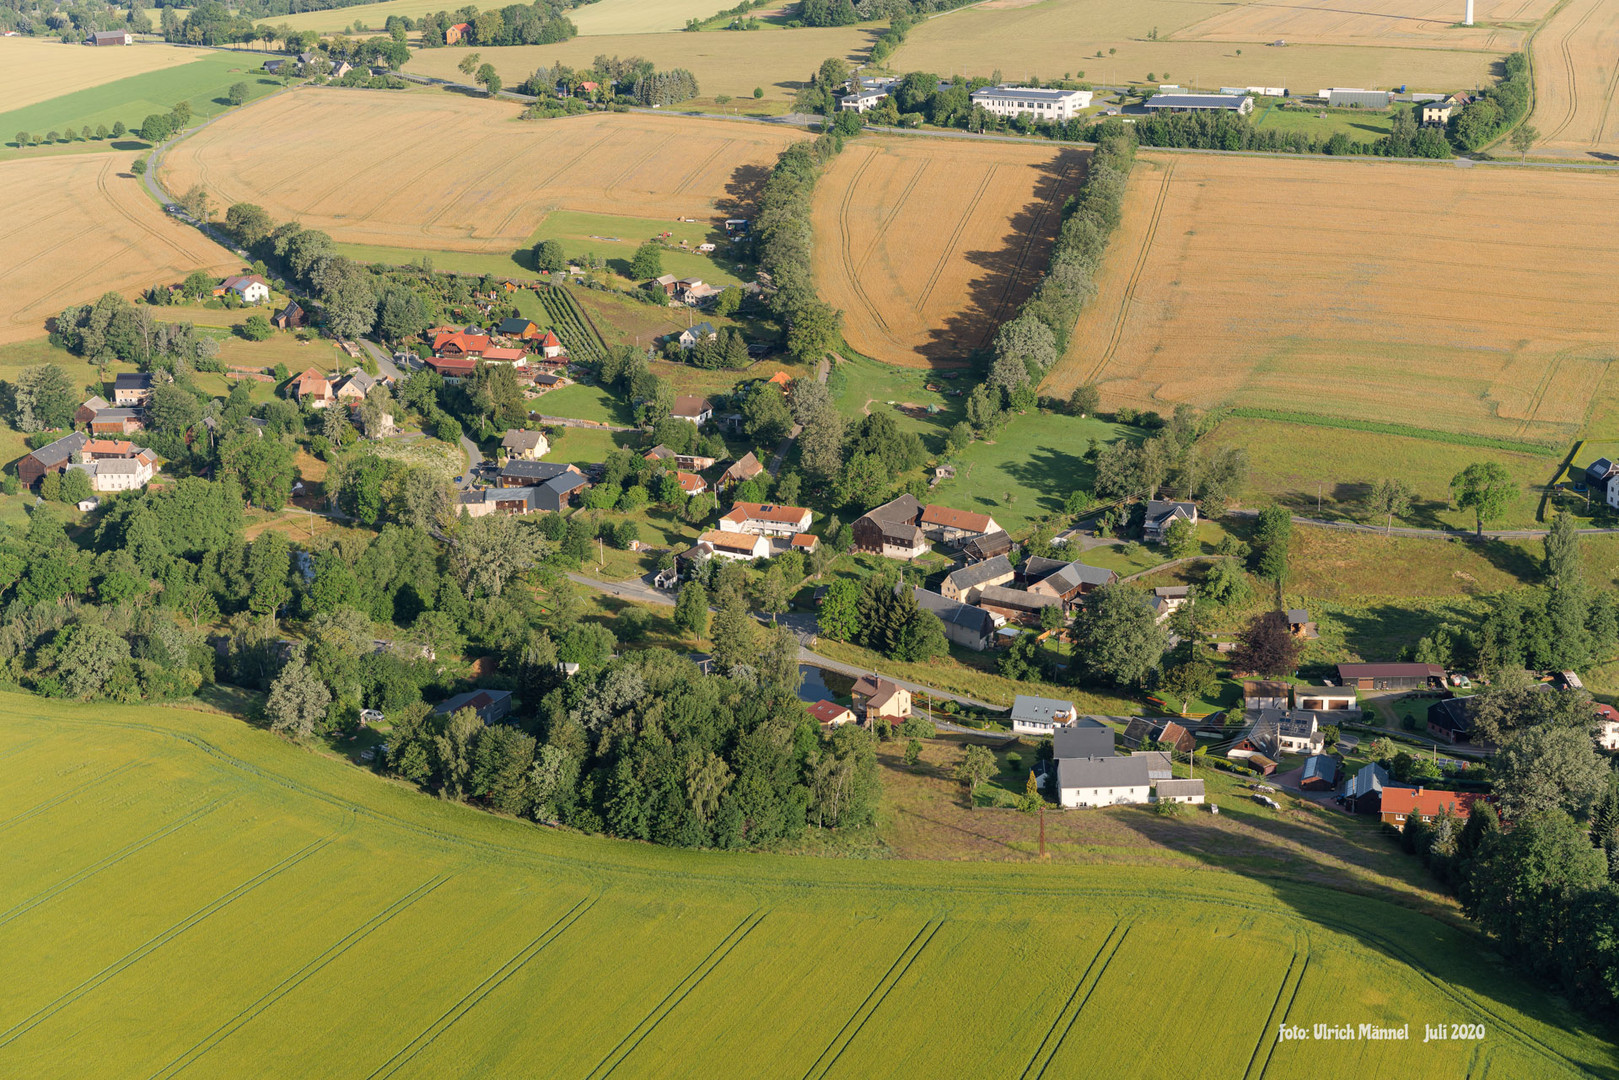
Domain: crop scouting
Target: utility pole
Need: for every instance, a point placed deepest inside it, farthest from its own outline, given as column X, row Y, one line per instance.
column 1043, row 853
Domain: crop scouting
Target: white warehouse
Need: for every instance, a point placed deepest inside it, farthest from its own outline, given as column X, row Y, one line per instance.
column 1039, row 104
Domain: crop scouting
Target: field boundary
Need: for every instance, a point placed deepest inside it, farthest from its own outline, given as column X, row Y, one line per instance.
column 1384, row 427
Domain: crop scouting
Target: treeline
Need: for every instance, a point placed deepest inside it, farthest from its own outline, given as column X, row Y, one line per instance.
column 1497, row 109
column 784, row 240
column 849, row 12
column 539, row 23
column 629, row 81
column 665, row 87
column 1228, row 131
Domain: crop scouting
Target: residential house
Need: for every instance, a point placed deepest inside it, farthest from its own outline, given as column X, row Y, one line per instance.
column 129, row 470
column 987, row 547
column 890, row 530
column 693, row 336
column 116, row 422
column 1102, row 781
column 691, row 483
column 729, row 545
column 459, row 32
column 521, row 472
column 1436, row 113
column 1083, row 737
column 87, row 412
column 1072, row 580
column 1391, row 676
column 1141, row 732
column 1265, row 694
column 1015, row 605
column 339, row 68
column 110, row 37
column 698, row 410
column 290, row 317
column 1161, row 515
column 691, row 462
column 502, row 354
column 53, row 457
column 460, row 344
column 1040, row 716
column 1451, row 720
column 525, row 445
column 951, row 526
column 490, row 705
column 250, row 288
column 1181, row 791
column 861, row 100
column 551, row 348
column 965, row 583
column 1607, row 726
column 766, row 519
column 970, row 627
column 875, row 696
column 1298, row 621
column 131, row 390
column 452, row 368
column 1326, row 699
column 741, row 471
column 831, row 714
column 312, row 386
column 1320, row 773
column 520, row 328
column 1401, row 804
column 1363, row 792
column 1166, row 598
column 352, row 388
column 1289, row 732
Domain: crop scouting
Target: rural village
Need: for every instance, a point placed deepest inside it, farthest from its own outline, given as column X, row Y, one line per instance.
column 737, row 523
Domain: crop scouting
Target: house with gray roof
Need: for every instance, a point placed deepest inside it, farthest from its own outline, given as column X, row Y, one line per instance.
column 965, row 584
column 1085, row 737
column 1072, row 580
column 1181, row 791
column 1363, row 792
column 1102, row 781
column 1039, row 715
column 1161, row 514
column 1320, row 773
column 970, row 627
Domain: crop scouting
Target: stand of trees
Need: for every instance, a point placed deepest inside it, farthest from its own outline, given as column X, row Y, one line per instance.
column 849, row 12
column 784, row 242
column 1497, row 109
column 1228, row 131
column 539, row 23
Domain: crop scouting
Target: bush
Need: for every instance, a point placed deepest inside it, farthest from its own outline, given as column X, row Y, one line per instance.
column 1014, row 763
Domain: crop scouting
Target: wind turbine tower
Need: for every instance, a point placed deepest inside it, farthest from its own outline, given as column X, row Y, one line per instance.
column 1468, row 21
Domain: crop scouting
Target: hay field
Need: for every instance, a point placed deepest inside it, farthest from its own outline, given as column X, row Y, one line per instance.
column 1576, row 69
column 33, row 70
column 1483, row 301
column 1057, row 37
column 186, row 894
column 1499, row 25
column 78, row 226
column 437, row 172
column 928, row 245
column 724, row 63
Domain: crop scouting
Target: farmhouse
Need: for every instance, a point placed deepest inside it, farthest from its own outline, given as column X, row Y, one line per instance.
column 1181, row 791
column 1161, row 515
column 1141, row 732
column 1363, row 792
column 1015, row 605
column 875, row 696
column 970, row 627
column 131, row 390
column 696, row 409
column 527, row 445
column 1264, row 694
column 312, row 386
column 1607, row 726
column 743, row 470
column 1436, row 113
column 87, row 412
column 110, row 37
column 1102, row 781
column 459, row 344
column 1040, row 716
column 1451, row 720
column 1039, row 104
column 1069, row 581
column 53, row 457
column 966, row 583
column 691, row 483
column 116, row 422
column 861, row 100
column 953, row 526
column 1400, row 804
column 352, row 388
column 1398, row 676
column 692, row 462
column 1084, row 737
column 765, row 519
column 290, row 317
column 1320, row 773
column 251, row 288
column 121, row 469
column 831, row 714
column 731, row 545
column 520, row 472
column 490, row 705
column 693, row 336
column 1179, row 103
column 1326, row 699
column 987, row 547
column 501, row 500
column 891, row 530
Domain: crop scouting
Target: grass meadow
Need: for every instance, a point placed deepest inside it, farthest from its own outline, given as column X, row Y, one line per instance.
column 208, row 899
column 35, row 69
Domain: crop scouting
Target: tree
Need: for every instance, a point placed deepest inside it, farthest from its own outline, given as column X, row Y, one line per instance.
column 43, row 398
column 1181, row 538
column 735, row 636
column 726, row 303
column 237, row 94
column 1117, row 637
column 691, row 610
column 913, row 752
column 489, row 551
column 156, row 128
column 263, row 466
column 1542, row 769
column 248, row 222
column 1226, row 584
column 648, row 261
column 1486, row 488
column 400, row 313
column 548, row 257
column 1523, row 138
column 118, row 129
column 75, row 487
column 922, row 638
column 1085, row 399
column 468, row 63
column 257, row 328
column 489, row 79
column 297, row 701
column 1391, row 498
column 1191, row 679
column 840, row 610
column 977, row 764
column 813, row 331
column 1266, row 646
column 139, row 167
column 765, row 417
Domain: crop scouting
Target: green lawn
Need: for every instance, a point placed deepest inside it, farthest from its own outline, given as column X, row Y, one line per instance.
column 614, row 239
column 586, row 446
column 239, row 887
column 582, row 402
column 203, row 83
column 1360, row 126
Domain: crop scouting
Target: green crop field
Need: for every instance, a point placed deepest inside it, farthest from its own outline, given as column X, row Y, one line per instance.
column 203, row 83
column 186, row 894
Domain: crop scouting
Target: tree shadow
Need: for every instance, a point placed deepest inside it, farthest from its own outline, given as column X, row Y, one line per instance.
column 1050, row 473
column 131, row 144
column 742, row 190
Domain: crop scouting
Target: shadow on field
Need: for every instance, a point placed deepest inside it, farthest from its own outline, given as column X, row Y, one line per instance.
column 742, row 190
column 1386, row 629
column 1052, row 474
column 1009, row 272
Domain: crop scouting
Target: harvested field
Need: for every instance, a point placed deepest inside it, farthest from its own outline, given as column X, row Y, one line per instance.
column 1499, row 25
column 1332, row 288
column 928, row 245
column 79, row 226
column 1576, row 81
column 34, row 70
column 1058, row 37
column 602, row 17
column 390, row 177
column 724, row 63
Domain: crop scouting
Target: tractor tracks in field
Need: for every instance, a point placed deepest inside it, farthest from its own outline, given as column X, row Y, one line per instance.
column 874, row 1000
column 1030, row 237
column 58, row 800
column 691, row 177
column 1266, row 1046
column 1136, row 273
column 1539, row 396
column 955, row 238
column 1046, row 1052
column 1569, row 72
column 851, row 268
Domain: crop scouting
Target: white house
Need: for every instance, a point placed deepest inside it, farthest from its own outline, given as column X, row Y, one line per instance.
column 1040, row 716
column 1181, row 791
column 1041, row 104
column 730, row 545
column 765, row 519
column 251, row 288
column 696, row 409
column 119, row 473
column 1102, row 781
column 861, row 100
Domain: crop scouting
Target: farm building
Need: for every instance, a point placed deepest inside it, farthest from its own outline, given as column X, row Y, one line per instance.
column 454, row 35
column 1180, row 791
column 1451, row 720
column 499, row 500
column 951, row 526
column 1039, row 104
column 1326, row 699
column 516, row 327
column 1176, row 103
column 744, row 469
column 1400, row 804
column 891, row 530
column 53, row 457
column 1298, row 621
column 116, row 422
column 970, row 627
column 1141, row 732
column 1161, row 515
column 1398, row 676
column 528, row 445
column 490, row 705
column 459, row 344
column 1084, row 737
column 1160, row 764
column 875, row 696
column 1102, row 781
column 1015, row 605
column 1349, row 98
column 1069, row 581
column 131, row 390
column 87, row 412
column 733, row 545
column 966, row 583
column 518, row 472
column 831, row 714
column 1040, row 716
column 1320, row 773
column 452, row 368
column 312, row 386
column 765, row 519
column 987, row 547
column 290, row 317
column 1363, row 792
column 110, row 37
column 124, row 469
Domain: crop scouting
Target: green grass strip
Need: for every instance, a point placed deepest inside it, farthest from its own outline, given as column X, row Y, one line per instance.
column 1382, row 427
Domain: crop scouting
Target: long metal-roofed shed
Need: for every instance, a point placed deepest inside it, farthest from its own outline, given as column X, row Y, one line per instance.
column 1241, row 105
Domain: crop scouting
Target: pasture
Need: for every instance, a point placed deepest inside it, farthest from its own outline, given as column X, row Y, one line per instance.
column 79, row 226
column 209, row 899
column 1054, row 38
column 928, row 245
column 1576, row 80
column 35, row 69
column 724, row 63
column 1342, row 289
column 390, row 178
column 204, row 82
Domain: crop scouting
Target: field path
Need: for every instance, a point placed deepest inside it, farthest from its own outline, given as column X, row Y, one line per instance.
column 1134, row 280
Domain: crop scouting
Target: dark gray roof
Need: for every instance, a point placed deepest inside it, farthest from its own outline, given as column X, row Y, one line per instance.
column 565, row 483
column 53, row 454
column 1370, row 778
column 1160, row 764
column 952, row 611
column 116, row 414
column 1016, row 598
column 1029, row 707
column 534, row 470
column 1297, row 615
column 971, row 577
column 1452, row 714
column 1179, row 788
column 1173, row 592
column 1320, row 766
column 528, row 495
column 1162, row 510
column 1036, row 567
column 903, row 510
column 995, row 543
column 132, row 380
column 1076, row 574
column 1085, row 737
column 1093, row 772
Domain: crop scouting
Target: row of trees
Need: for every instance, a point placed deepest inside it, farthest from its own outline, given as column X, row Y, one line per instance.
column 784, row 241
column 849, row 12
column 1228, row 131
column 539, row 23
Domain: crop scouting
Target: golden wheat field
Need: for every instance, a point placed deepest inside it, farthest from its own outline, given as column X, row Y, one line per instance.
column 1499, row 25
column 33, row 70
column 929, row 244
column 601, row 17
column 79, row 226
column 445, row 173
column 1474, row 300
column 1576, row 66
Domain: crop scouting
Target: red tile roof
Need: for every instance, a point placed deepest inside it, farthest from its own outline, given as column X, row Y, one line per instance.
column 1428, row 803
column 779, row 515
column 503, row 354
column 691, row 483
column 312, row 382
column 117, row 447
column 956, row 519
column 806, row 541
column 451, row 365
column 550, row 340
column 828, row 712
column 460, row 339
